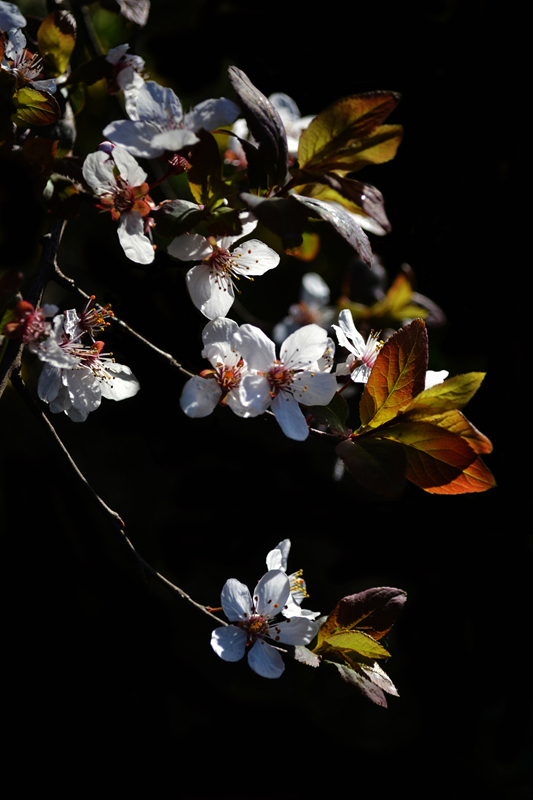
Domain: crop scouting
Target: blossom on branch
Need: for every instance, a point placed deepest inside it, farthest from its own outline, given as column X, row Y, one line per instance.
column 158, row 123
column 211, row 284
column 255, row 623
column 363, row 356
column 219, row 385
column 121, row 186
column 295, row 377
column 75, row 377
column 277, row 559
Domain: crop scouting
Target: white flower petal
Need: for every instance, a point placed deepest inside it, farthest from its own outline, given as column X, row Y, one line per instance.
column 254, row 258
column 290, row 417
column 206, row 294
column 121, row 385
column 266, row 661
column 235, row 600
column 128, row 168
column 98, row 172
column 229, row 643
column 296, row 630
column 211, row 114
column 304, row 347
column 136, row 137
column 173, row 140
column 271, row 593
column 135, row 244
column 254, row 393
column 256, row 348
column 433, row 378
column 200, row 397
column 314, row 389
column 190, row 246
column 219, row 331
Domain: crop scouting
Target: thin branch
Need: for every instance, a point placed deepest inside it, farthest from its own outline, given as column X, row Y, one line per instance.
column 64, row 280
column 112, row 518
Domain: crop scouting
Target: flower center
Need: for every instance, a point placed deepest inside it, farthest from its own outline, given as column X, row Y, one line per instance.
column 229, row 378
column 257, row 626
column 279, row 378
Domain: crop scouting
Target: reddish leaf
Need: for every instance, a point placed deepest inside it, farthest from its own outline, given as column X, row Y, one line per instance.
column 372, row 611
column 35, row 107
column 457, row 423
column 398, row 375
column 439, row 461
column 355, row 678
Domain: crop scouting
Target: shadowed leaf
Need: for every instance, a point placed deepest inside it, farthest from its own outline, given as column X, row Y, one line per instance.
column 265, row 126
column 333, row 415
column 359, row 681
column 362, row 197
column 397, row 376
column 342, row 223
column 205, row 172
column 283, row 216
column 376, row 464
column 177, row 217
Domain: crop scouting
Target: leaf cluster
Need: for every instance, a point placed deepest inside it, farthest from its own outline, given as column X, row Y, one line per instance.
column 411, row 433
column 349, row 639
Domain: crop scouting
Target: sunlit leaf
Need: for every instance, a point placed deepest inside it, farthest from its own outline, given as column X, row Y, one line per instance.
column 439, row 461
column 265, row 125
column 34, row 107
column 452, row 393
column 345, row 127
column 309, row 248
column 379, row 677
column 397, row 376
column 376, row 464
column 359, row 641
column 457, row 423
column 342, row 223
column 56, row 39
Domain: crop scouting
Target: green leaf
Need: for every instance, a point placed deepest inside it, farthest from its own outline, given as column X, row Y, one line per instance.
column 397, row 376
column 333, row 415
column 452, row 393
column 341, row 223
column 358, row 641
column 342, row 132
column 56, row 39
column 35, row 107
column 376, row 464
column 265, row 126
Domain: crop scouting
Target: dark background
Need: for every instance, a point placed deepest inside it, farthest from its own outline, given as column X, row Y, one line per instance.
column 105, row 669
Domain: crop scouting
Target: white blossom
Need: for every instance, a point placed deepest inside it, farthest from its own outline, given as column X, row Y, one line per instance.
column 202, row 393
column 255, row 623
column 158, row 123
column 277, row 559
column 75, row 377
column 362, row 356
column 211, row 284
column 125, row 196
column 282, row 383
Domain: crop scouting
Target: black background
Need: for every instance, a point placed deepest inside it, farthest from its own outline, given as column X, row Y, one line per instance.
column 104, row 669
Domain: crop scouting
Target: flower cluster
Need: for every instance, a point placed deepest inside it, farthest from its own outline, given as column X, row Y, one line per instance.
column 257, row 618
column 76, row 376
column 250, row 378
